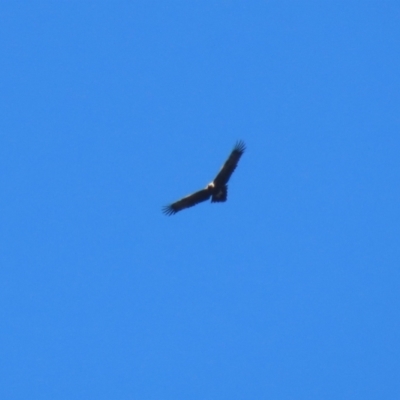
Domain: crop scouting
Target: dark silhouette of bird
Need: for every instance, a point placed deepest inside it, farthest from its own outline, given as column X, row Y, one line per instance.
column 217, row 189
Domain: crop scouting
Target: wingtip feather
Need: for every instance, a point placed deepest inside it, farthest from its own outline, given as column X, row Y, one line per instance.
column 168, row 210
column 240, row 146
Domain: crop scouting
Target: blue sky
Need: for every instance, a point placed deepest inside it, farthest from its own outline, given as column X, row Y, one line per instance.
column 110, row 110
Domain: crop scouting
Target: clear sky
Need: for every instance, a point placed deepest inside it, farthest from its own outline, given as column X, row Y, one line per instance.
column 111, row 110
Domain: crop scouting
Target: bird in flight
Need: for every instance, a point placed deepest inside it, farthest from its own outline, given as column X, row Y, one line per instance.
column 217, row 189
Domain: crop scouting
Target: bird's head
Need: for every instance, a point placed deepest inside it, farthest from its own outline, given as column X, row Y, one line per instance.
column 210, row 186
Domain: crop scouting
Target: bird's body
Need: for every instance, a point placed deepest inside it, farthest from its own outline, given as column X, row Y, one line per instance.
column 217, row 189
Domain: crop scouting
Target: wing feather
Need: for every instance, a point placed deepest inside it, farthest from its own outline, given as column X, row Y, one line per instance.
column 230, row 164
column 188, row 201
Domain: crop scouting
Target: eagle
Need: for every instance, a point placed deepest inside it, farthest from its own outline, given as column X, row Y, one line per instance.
column 217, row 189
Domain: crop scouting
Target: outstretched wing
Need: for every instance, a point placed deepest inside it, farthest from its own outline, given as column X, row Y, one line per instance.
column 230, row 164
column 186, row 202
